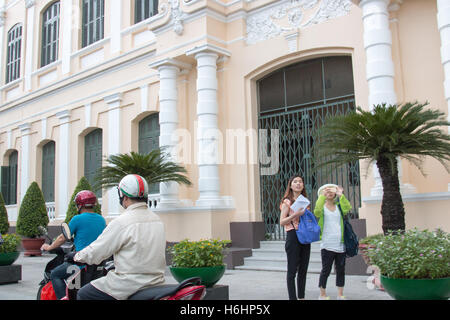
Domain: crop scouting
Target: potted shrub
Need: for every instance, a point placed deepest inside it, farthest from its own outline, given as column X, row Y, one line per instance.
column 202, row 259
column 414, row 264
column 4, row 223
column 8, row 249
column 32, row 220
column 369, row 242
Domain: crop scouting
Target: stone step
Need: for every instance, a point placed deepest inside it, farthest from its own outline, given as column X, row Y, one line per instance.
column 276, row 269
column 271, row 256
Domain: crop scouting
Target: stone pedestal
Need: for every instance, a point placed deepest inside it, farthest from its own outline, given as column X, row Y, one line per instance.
column 10, row 274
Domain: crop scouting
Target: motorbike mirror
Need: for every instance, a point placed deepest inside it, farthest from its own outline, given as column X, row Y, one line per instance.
column 66, row 231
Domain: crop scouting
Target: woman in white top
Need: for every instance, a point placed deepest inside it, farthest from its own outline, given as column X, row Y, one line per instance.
column 332, row 235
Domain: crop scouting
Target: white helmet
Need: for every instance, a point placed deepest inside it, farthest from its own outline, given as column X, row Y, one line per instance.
column 133, row 186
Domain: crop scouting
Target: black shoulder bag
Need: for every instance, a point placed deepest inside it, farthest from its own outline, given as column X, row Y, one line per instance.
column 351, row 242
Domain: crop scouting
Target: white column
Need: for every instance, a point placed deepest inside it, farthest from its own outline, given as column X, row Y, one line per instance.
column 207, row 125
column 63, row 152
column 168, row 122
column 144, row 97
column 67, row 38
column 380, row 69
column 29, row 43
column 377, row 43
column 24, row 158
column 116, row 25
column 114, row 143
column 443, row 21
column 2, row 38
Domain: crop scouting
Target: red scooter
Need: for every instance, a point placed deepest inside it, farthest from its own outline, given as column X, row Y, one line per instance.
column 189, row 289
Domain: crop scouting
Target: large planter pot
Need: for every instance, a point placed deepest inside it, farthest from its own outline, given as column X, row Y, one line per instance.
column 32, row 246
column 8, row 258
column 209, row 275
column 417, row 289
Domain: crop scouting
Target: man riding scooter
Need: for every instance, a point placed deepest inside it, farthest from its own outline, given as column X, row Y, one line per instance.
column 136, row 239
column 86, row 226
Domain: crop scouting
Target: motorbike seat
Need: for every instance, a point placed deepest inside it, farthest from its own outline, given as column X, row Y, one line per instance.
column 155, row 293
column 161, row 291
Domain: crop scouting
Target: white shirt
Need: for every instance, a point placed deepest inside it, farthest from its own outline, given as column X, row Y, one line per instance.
column 137, row 240
column 331, row 235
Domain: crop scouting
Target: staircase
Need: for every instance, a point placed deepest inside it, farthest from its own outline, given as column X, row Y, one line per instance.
column 271, row 256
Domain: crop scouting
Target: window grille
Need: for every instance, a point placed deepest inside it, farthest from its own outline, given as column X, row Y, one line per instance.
column 14, row 51
column 93, row 156
column 50, row 34
column 93, row 21
column 48, row 171
column 144, row 9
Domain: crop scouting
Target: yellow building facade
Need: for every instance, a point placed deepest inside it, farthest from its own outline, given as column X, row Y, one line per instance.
column 230, row 87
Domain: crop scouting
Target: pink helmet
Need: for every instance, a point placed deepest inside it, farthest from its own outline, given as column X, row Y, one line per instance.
column 85, row 198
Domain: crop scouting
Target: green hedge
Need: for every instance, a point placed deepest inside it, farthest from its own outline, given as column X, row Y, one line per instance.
column 32, row 213
column 83, row 184
column 4, row 223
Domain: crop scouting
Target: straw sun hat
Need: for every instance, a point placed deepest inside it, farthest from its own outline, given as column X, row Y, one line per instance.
column 328, row 185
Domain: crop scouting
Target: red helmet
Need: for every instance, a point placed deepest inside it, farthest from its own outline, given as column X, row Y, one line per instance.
column 85, row 198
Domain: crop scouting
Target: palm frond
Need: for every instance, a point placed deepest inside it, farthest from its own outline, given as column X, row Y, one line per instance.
column 409, row 131
column 155, row 167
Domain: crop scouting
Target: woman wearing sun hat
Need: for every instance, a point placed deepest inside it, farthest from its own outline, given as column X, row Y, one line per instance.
column 327, row 210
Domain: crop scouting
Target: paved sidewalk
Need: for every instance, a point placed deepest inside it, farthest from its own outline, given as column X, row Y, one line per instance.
column 243, row 284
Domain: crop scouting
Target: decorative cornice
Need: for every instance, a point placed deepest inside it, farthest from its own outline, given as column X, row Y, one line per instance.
column 63, row 115
column 208, row 48
column 25, row 127
column 270, row 21
column 113, row 98
column 170, row 62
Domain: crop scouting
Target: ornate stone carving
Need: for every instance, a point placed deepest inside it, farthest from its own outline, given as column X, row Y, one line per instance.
column 177, row 15
column 292, row 15
column 2, row 17
column 29, row 3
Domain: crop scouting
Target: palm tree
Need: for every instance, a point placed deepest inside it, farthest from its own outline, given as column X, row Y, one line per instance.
column 408, row 131
column 155, row 167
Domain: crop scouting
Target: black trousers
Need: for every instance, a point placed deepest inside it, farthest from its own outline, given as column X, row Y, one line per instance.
column 297, row 265
column 89, row 292
column 328, row 257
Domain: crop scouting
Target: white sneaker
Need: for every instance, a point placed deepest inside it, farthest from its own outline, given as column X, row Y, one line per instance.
column 324, row 298
column 341, row 298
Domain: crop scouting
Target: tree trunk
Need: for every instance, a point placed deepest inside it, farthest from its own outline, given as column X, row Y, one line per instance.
column 392, row 209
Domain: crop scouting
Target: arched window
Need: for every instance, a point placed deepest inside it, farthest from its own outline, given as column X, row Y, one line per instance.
column 9, row 179
column 149, row 133
column 48, row 171
column 14, row 49
column 294, row 102
column 93, row 156
column 93, row 21
column 50, row 34
column 144, row 9
column 149, row 140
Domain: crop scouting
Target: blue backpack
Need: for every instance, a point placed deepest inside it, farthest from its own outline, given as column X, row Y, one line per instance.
column 308, row 229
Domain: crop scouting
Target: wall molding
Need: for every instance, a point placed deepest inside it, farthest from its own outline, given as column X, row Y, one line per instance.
column 415, row 197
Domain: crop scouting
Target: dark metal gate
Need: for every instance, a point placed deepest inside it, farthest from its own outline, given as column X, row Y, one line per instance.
column 297, row 126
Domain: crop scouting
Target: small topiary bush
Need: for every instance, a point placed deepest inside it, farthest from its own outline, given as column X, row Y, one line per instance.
column 32, row 213
column 4, row 223
column 83, row 184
